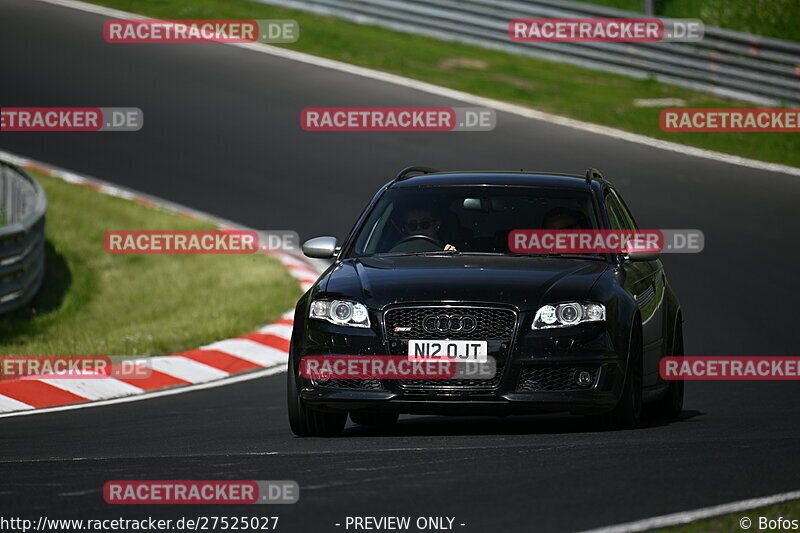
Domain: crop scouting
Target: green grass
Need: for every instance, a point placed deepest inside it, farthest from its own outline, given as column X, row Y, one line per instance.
column 724, row 524
column 630, row 5
column 94, row 303
column 774, row 18
column 554, row 87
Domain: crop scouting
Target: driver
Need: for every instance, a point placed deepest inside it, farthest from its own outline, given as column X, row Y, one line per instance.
column 562, row 218
column 422, row 221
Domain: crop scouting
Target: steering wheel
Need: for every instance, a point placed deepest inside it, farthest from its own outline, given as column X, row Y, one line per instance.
column 431, row 240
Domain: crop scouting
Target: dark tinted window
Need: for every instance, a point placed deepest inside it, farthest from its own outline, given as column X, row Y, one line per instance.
column 616, row 215
column 471, row 218
column 630, row 222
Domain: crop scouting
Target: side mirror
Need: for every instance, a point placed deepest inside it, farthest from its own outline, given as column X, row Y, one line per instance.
column 321, row 247
column 644, row 256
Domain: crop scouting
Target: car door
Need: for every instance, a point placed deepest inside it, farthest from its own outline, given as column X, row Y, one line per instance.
column 645, row 281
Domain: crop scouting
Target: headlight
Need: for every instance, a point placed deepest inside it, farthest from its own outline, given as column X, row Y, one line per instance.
column 568, row 314
column 340, row 312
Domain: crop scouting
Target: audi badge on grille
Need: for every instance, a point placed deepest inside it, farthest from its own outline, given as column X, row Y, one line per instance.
column 449, row 323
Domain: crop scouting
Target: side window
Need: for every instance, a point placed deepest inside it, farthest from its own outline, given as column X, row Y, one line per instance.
column 627, row 218
column 615, row 218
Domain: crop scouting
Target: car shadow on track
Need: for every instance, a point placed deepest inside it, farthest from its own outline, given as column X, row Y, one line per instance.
column 511, row 425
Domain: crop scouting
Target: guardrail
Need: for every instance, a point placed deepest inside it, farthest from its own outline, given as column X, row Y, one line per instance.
column 23, row 204
column 727, row 63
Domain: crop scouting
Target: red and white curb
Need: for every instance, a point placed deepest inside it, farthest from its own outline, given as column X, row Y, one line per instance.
column 265, row 348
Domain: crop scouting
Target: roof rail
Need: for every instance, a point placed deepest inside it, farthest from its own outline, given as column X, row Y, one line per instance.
column 593, row 173
column 404, row 174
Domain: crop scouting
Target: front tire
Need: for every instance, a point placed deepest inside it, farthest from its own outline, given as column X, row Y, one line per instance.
column 628, row 412
column 304, row 420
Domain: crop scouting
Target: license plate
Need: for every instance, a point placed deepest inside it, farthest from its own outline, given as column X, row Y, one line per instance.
column 466, row 351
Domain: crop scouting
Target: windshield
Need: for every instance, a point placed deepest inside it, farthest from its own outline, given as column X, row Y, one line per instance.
column 469, row 219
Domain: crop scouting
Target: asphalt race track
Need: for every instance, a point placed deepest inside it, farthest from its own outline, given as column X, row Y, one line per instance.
column 222, row 135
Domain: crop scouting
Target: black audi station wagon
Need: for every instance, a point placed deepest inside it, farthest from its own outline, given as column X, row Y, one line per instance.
column 429, row 259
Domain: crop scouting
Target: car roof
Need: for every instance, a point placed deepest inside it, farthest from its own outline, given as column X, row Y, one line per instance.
column 498, row 178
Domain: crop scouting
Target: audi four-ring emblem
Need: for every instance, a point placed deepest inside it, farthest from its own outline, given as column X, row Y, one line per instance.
column 449, row 324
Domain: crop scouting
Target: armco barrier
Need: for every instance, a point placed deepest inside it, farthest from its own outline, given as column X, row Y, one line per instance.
column 726, row 63
column 22, row 217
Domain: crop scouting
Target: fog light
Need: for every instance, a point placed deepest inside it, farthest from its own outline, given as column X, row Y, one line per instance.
column 584, row 378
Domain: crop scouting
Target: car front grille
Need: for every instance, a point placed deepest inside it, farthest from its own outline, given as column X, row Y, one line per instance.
column 491, row 323
column 553, row 378
column 455, row 383
column 349, row 384
column 494, row 325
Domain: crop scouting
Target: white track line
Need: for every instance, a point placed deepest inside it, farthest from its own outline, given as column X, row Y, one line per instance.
column 292, row 262
column 252, row 351
column 256, row 374
column 187, row 369
column 465, row 97
column 699, row 514
column 94, row 389
column 279, row 330
column 10, row 404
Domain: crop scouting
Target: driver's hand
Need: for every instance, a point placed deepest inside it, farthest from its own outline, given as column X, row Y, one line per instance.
column 449, row 248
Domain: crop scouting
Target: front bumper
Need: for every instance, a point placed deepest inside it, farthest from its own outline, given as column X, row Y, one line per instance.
column 600, row 397
column 550, row 356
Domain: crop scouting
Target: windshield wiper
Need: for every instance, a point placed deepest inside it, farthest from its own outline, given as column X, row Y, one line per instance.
column 443, row 252
column 559, row 255
column 435, row 253
column 411, row 254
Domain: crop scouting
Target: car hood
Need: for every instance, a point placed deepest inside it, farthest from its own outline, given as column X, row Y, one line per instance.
column 524, row 282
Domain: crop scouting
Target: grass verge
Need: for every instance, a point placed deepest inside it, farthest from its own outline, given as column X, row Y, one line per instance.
column 733, row 522
column 558, row 88
column 773, row 18
column 94, row 303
